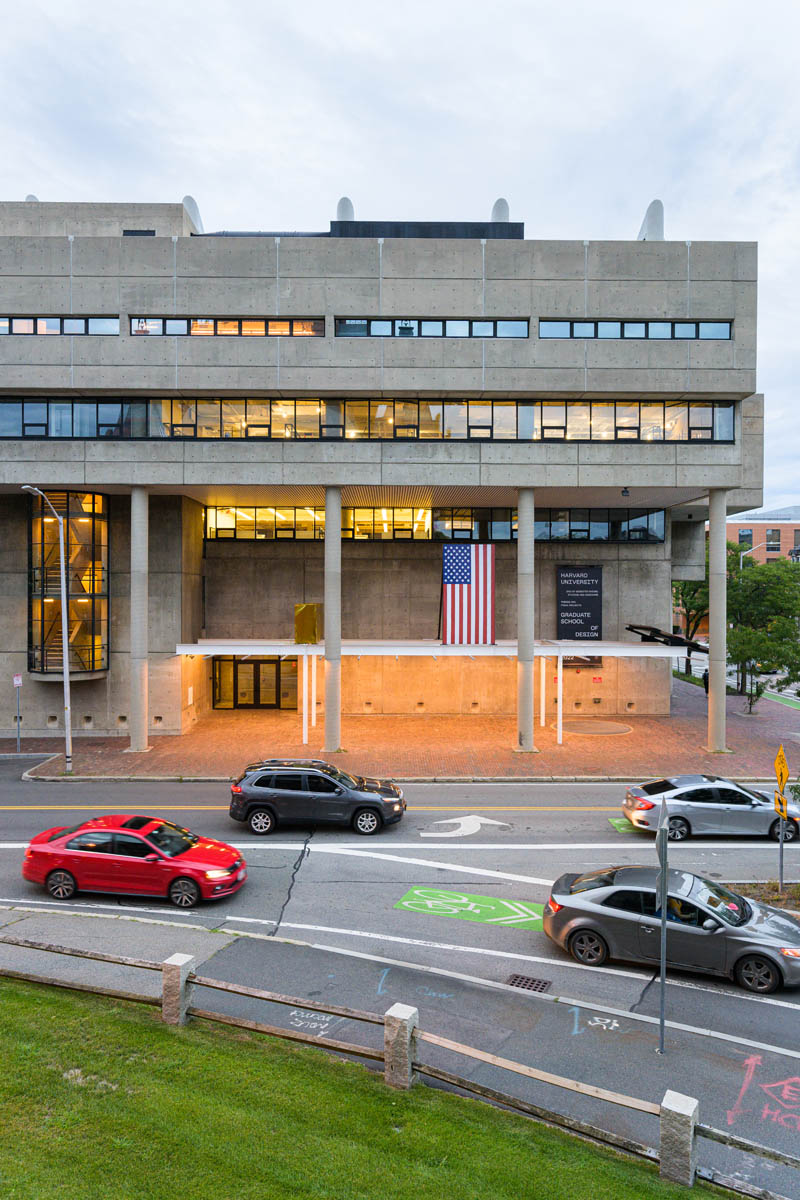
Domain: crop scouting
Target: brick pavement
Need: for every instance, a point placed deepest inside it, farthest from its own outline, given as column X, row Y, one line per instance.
column 462, row 747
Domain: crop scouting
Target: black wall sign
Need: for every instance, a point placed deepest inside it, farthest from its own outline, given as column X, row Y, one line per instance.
column 579, row 602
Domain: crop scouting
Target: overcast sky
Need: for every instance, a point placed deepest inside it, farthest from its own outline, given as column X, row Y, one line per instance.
column 578, row 113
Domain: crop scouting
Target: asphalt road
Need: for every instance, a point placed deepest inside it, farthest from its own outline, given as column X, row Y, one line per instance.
column 429, row 914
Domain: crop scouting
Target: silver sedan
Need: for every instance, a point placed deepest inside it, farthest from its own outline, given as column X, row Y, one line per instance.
column 707, row 804
column 612, row 913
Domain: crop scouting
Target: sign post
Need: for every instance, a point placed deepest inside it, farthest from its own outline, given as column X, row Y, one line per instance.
column 662, row 888
column 18, row 689
column 782, row 776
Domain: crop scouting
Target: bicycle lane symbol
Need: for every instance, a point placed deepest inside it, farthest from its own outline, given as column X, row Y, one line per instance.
column 485, row 910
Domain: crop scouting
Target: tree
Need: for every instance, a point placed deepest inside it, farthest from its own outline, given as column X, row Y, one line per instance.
column 763, row 613
column 690, row 598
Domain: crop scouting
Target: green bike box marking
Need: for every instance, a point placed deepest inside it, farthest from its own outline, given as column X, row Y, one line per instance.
column 485, row 910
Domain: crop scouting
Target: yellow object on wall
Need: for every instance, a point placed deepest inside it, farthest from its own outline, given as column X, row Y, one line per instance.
column 308, row 623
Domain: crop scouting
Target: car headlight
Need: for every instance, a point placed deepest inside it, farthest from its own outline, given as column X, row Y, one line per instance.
column 397, row 808
column 790, row 951
column 217, row 874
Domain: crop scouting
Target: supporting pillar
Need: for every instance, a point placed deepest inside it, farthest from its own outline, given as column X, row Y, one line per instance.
column 400, row 1045
column 526, row 533
column 542, row 689
column 717, row 619
column 139, row 716
column 313, row 689
column 560, row 702
column 678, row 1138
column 333, row 618
column 305, row 699
column 175, row 972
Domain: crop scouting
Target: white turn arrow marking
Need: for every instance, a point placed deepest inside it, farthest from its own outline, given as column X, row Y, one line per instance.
column 466, row 826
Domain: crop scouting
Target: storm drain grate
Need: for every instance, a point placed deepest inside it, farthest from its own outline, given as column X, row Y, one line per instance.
column 529, row 983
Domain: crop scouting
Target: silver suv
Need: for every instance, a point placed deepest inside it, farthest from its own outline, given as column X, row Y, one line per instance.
column 310, row 791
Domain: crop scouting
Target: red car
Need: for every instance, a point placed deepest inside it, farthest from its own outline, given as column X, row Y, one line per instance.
column 136, row 855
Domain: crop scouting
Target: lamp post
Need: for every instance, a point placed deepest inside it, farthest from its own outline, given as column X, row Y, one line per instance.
column 26, row 487
column 750, row 551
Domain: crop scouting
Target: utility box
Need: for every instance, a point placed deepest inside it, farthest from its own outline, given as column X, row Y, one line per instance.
column 308, row 623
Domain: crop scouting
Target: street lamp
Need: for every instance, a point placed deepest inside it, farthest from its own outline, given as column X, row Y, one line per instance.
column 750, row 551
column 26, row 487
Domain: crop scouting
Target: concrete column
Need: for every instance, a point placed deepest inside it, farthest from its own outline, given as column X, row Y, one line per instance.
column 399, row 1045
column 526, row 533
column 717, row 619
column 333, row 618
column 677, row 1146
column 175, row 989
column 139, row 717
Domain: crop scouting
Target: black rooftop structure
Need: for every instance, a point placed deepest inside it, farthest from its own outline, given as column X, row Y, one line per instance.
column 475, row 230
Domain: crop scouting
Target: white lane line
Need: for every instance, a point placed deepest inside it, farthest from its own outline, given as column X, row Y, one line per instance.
column 425, row 862
column 620, row 844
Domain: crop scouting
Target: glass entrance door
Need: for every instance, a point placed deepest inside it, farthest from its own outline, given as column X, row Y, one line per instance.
column 267, row 673
column 245, row 685
column 254, row 682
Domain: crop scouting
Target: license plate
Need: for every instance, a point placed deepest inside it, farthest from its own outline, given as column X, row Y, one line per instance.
column 242, row 874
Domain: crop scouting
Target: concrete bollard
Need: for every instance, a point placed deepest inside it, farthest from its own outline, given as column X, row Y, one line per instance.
column 677, row 1146
column 175, row 988
column 399, row 1045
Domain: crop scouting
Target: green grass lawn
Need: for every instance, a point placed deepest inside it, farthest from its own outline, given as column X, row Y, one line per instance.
column 99, row 1099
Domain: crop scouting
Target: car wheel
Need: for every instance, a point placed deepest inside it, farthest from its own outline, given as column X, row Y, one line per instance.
column 61, row 885
column 366, row 821
column 678, row 830
column 588, row 947
column 789, row 831
column 757, row 974
column 184, row 893
column 261, row 821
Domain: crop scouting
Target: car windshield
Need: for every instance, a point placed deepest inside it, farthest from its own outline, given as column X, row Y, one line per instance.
column 753, row 795
column 593, row 879
column 171, row 839
column 59, row 833
column 729, row 906
column 657, row 787
column 342, row 776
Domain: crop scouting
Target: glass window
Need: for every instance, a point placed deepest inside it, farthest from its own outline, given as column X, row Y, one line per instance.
column 309, row 328
column 362, row 523
column 723, row 422
column 529, row 421
column 283, row 418
column 455, row 419
column 48, row 325
column 483, row 328
column 22, row 325
column 403, row 522
column 618, row 525
column 60, row 418
column 208, row 418
column 405, row 418
column 406, row 328
column 462, row 524
column 226, row 522
column 685, row 329
column 259, row 415
column 103, row 325
column 332, row 418
column 634, row 329
column 351, row 327
column 96, row 842
column 10, row 419
column 307, row 418
column 505, row 420
column 109, row 419
column 227, row 328
column 304, row 523
column 201, row 327
column 130, row 846
column 279, row 328
column 251, row 328
column 456, row 329
column 383, row 524
column 630, row 902
column 541, row 529
column 184, row 415
column 234, row 422
column 583, row 329
column 701, row 420
column 652, row 421
column 598, row 525
column 659, row 329
column 284, row 522
column 422, row 524
column 655, row 526
column 356, row 423
column 176, row 325
column 347, row 522
column 73, row 325
column 442, row 524
column 518, row 329
column 609, row 329
column 637, row 526
column 381, row 419
column 559, row 524
column 4, row 325
column 550, row 329
column 715, row 329
column 745, row 537
column 265, row 523
column 35, row 418
column 579, row 418
column 147, row 326
column 500, row 529
column 676, row 421
column 554, row 419
column 480, row 418
column 431, row 328
column 773, row 539
column 381, row 328
column 579, row 525
column 627, row 421
column 430, row 419
column 84, row 420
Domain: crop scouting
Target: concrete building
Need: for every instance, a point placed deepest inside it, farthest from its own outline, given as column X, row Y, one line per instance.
column 768, row 535
column 235, row 423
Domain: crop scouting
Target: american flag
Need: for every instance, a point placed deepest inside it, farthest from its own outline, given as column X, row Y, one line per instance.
column 468, row 595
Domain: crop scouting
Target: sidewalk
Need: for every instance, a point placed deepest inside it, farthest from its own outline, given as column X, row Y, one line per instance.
column 466, row 747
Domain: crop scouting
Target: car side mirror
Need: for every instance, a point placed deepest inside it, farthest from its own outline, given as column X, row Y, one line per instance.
column 151, row 858
column 710, row 925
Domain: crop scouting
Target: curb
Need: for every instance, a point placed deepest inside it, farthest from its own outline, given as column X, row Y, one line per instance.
column 493, row 779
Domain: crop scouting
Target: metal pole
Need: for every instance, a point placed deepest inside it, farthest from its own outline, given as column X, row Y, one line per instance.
column 780, row 857
column 526, row 601
column 717, row 620
column 18, row 690
column 662, row 843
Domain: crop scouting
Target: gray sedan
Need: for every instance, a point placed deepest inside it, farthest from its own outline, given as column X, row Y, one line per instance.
column 707, row 804
column 611, row 913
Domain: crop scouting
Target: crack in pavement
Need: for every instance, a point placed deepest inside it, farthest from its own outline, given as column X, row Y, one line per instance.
column 644, row 992
column 295, row 869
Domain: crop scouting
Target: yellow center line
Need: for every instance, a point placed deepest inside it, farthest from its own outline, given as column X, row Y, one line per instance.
column 463, row 808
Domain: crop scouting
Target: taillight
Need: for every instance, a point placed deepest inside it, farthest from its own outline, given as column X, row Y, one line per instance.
column 29, row 853
column 644, row 804
column 235, row 789
column 554, row 906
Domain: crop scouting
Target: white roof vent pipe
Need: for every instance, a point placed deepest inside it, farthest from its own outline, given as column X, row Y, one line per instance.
column 653, row 224
column 31, row 199
column 500, row 210
column 344, row 210
column 190, row 204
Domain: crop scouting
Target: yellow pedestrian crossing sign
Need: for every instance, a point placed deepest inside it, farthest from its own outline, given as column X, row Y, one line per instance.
column 781, row 769
column 780, row 805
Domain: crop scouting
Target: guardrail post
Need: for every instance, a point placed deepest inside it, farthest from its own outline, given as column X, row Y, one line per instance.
column 399, row 1045
column 175, row 989
column 678, row 1142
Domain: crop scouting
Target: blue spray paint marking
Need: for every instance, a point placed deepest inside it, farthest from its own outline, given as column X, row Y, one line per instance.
column 576, row 1025
column 382, row 980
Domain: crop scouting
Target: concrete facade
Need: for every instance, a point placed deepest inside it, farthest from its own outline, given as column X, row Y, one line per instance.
column 58, row 260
